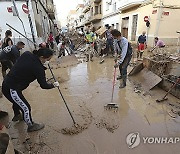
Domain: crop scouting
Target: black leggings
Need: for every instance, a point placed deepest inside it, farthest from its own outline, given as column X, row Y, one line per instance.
column 19, row 103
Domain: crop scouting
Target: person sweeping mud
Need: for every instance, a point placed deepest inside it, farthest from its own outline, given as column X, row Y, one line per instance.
column 29, row 67
column 125, row 55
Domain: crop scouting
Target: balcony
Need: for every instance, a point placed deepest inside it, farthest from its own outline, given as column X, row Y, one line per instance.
column 97, row 1
column 51, row 11
column 86, row 9
column 96, row 18
column 127, row 4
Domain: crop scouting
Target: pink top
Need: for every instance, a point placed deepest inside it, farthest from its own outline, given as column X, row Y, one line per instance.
column 50, row 39
column 160, row 43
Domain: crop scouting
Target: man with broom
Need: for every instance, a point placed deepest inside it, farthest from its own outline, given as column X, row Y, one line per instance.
column 124, row 49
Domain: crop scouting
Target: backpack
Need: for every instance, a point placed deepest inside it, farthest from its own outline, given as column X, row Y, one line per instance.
column 129, row 50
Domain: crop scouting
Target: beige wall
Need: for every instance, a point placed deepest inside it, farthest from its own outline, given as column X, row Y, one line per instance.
column 141, row 25
column 164, row 27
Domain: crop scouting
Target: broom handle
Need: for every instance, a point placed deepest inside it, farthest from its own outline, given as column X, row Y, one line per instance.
column 178, row 80
column 62, row 95
column 113, row 84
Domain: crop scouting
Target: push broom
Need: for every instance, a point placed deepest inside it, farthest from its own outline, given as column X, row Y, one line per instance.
column 112, row 105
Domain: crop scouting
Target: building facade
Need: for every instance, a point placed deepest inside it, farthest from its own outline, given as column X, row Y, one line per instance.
column 72, row 20
column 35, row 19
column 111, row 14
column 163, row 16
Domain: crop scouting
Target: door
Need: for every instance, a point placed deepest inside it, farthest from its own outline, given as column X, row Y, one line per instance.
column 134, row 27
column 124, row 27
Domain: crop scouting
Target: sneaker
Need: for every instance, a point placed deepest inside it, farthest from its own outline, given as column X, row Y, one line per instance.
column 17, row 118
column 119, row 77
column 35, row 127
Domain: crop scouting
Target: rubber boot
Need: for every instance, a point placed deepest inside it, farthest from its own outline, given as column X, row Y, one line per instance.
column 141, row 53
column 138, row 54
column 87, row 58
column 123, row 84
column 91, row 56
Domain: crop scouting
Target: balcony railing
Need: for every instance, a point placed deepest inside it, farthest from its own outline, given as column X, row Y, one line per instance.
column 51, row 11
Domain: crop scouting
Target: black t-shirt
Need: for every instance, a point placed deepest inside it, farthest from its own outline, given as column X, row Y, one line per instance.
column 5, row 42
column 11, row 53
column 27, row 69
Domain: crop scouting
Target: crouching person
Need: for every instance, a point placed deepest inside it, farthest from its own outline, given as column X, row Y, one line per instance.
column 29, row 67
column 125, row 55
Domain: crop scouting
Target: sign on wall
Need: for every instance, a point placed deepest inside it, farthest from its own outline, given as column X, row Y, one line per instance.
column 146, row 18
column 9, row 9
column 25, row 9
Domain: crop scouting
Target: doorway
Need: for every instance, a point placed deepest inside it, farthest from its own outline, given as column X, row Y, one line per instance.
column 134, row 27
column 124, row 28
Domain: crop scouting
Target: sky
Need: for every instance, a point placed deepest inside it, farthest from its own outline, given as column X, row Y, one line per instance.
column 63, row 7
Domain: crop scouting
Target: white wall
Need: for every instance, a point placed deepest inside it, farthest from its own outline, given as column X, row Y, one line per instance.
column 6, row 17
column 109, row 16
column 112, row 20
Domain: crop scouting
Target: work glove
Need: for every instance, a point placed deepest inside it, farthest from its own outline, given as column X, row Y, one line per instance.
column 46, row 63
column 56, row 84
column 116, row 65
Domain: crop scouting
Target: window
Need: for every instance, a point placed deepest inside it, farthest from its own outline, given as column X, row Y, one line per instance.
column 100, row 9
column 117, row 26
column 107, row 6
column 92, row 11
column 96, row 10
column 114, row 7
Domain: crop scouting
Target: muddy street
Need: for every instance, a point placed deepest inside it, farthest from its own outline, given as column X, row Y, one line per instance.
column 87, row 88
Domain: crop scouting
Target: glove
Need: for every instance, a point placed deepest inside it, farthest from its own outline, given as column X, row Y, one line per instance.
column 116, row 65
column 56, row 84
column 46, row 63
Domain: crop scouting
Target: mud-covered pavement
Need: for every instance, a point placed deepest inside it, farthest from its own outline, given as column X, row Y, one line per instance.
column 87, row 88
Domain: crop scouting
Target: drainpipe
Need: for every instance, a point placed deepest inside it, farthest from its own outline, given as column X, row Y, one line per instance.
column 159, row 18
column 31, row 25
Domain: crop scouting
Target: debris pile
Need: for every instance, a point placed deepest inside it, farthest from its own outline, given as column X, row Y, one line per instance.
column 158, row 64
